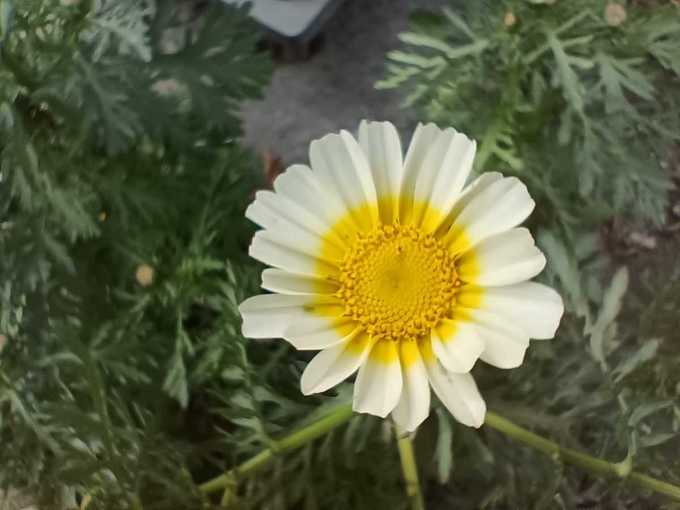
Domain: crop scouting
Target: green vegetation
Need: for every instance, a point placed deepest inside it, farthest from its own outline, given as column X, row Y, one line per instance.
column 124, row 380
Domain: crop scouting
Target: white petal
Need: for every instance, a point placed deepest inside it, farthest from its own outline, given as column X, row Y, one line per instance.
column 421, row 142
column 502, row 259
column 273, row 250
column 441, row 165
column 458, row 392
column 500, row 206
column 536, row 308
column 457, row 345
column 382, row 147
column 340, row 165
column 301, row 186
column 268, row 315
column 274, row 211
column 472, row 190
column 414, row 404
column 316, row 333
column 504, row 342
column 283, row 282
column 294, row 238
column 378, row 385
column 299, row 240
column 335, row 364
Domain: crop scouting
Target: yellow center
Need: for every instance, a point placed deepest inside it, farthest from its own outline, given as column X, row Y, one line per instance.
column 398, row 282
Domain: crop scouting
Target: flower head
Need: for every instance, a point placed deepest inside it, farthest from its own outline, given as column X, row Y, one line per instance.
column 395, row 269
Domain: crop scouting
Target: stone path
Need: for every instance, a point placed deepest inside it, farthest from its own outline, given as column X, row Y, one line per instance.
column 334, row 89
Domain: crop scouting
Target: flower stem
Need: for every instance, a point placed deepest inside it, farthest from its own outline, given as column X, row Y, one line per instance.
column 343, row 413
column 410, row 470
column 298, row 438
column 589, row 463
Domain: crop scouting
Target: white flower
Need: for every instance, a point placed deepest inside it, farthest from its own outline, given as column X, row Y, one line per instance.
column 396, row 269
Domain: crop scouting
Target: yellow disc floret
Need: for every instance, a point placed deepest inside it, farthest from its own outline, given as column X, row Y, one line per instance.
column 398, row 282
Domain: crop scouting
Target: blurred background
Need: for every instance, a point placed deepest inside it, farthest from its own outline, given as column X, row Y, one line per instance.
column 133, row 134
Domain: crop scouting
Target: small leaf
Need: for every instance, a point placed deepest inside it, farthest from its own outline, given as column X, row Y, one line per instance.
column 60, row 357
column 571, row 85
column 642, row 355
column 611, row 306
column 437, row 44
column 175, row 383
column 459, row 22
column 6, row 12
column 443, row 455
column 645, row 410
column 656, row 439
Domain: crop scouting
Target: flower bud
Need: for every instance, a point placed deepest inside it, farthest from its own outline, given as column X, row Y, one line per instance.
column 614, row 14
column 510, row 19
column 144, row 275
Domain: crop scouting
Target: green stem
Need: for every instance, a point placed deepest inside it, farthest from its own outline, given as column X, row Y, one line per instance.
column 343, row 413
column 589, row 463
column 410, row 471
column 298, row 438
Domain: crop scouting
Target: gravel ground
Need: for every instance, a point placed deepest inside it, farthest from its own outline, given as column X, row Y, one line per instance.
column 334, row 89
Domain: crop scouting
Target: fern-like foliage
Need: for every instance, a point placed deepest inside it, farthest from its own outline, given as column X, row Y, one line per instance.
column 581, row 109
column 117, row 151
column 584, row 108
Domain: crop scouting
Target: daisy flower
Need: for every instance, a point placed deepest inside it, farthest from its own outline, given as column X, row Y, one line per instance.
column 392, row 267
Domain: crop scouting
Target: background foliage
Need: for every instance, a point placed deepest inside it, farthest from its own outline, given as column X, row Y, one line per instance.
column 579, row 99
column 559, row 93
column 123, row 248
column 124, row 379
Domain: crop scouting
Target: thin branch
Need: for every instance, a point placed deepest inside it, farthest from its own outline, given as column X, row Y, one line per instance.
column 296, row 439
column 592, row 464
column 343, row 413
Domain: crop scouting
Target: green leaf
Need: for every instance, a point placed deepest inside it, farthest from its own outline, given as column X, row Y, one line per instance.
column 657, row 439
column 451, row 52
column 564, row 264
column 6, row 13
column 176, row 384
column 611, row 306
column 644, row 354
column 458, row 22
column 59, row 251
column 118, row 25
column 617, row 75
column 443, row 454
column 59, row 358
column 412, row 59
column 569, row 80
column 643, row 411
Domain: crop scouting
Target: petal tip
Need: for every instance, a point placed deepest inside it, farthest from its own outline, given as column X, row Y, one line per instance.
column 479, row 420
column 358, row 408
column 306, row 387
